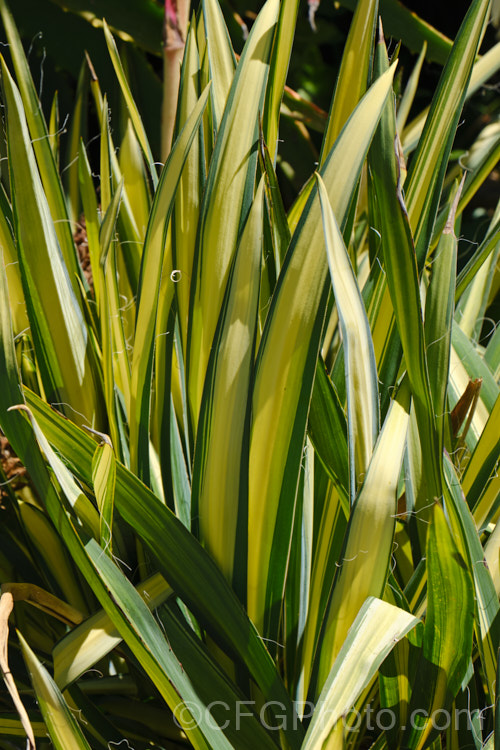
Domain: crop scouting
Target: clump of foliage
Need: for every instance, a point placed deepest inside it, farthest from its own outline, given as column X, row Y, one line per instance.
column 259, row 498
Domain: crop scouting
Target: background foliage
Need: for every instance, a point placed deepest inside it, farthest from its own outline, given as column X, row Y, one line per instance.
column 249, row 401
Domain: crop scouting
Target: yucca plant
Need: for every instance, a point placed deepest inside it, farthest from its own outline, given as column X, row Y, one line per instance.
column 259, row 497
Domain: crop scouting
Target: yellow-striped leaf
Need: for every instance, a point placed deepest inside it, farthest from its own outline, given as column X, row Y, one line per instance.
column 366, row 553
column 287, row 360
column 359, row 357
column 219, row 478
column 375, row 631
column 227, row 198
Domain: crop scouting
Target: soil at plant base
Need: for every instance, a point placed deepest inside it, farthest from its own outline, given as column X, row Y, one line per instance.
column 82, row 246
column 10, row 463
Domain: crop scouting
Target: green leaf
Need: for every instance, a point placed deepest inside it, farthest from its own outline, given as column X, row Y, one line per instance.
column 77, row 131
column 484, row 68
column 497, row 708
column 147, row 640
column 221, row 58
column 131, row 105
column 10, row 258
column 149, row 290
column 298, row 584
column 492, row 354
column 411, row 89
column 447, row 641
column 63, row 728
column 351, row 84
column 473, row 265
column 439, row 310
column 135, row 182
column 42, row 150
column 131, row 235
column 482, row 465
column 67, row 366
column 330, row 519
column 280, row 60
column 181, row 481
column 140, row 20
column 487, row 624
column 402, row 23
column 96, row 636
column 177, row 553
column 135, row 623
column 85, row 514
column 21, row 438
column 395, row 689
column 354, row 69
column 427, row 170
column 89, row 205
column 54, row 128
column 13, row 728
column 475, row 367
column 402, row 281
column 280, row 231
column 116, row 370
column 328, row 431
column 103, row 479
column 189, row 192
column 52, row 551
